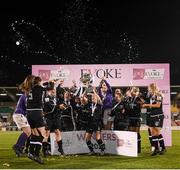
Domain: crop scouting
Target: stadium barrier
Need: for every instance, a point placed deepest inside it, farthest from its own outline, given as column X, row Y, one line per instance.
column 9, row 128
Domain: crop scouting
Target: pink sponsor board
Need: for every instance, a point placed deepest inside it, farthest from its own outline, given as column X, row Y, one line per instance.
column 117, row 75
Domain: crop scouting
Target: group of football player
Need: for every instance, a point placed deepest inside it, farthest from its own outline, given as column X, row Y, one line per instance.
column 49, row 107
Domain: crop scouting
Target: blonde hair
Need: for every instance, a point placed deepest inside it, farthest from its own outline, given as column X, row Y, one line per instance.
column 153, row 88
column 135, row 89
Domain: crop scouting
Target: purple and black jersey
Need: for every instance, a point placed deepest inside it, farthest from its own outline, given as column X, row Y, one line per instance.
column 21, row 105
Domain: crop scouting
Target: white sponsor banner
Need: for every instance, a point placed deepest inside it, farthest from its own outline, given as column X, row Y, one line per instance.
column 116, row 142
column 154, row 74
column 60, row 73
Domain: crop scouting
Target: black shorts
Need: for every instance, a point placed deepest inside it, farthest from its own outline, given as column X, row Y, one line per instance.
column 81, row 124
column 155, row 120
column 94, row 126
column 121, row 125
column 134, row 122
column 35, row 118
column 53, row 124
column 67, row 124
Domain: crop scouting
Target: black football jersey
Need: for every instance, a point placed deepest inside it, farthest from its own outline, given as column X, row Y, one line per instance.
column 96, row 111
column 117, row 110
column 50, row 109
column 35, row 97
column 133, row 106
column 154, row 100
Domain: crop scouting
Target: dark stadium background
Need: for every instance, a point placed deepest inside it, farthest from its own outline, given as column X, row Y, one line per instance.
column 87, row 31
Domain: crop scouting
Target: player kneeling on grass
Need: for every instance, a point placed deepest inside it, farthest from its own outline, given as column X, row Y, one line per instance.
column 94, row 121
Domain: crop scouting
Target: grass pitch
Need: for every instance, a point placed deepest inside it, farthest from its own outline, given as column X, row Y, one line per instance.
column 171, row 160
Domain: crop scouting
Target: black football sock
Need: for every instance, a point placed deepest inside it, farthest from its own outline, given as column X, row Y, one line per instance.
column 38, row 145
column 150, row 136
column 44, row 147
column 161, row 141
column 139, row 142
column 90, row 145
column 101, row 144
column 60, row 147
column 155, row 142
column 32, row 144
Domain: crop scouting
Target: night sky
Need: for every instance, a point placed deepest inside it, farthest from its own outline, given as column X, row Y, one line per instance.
column 87, row 31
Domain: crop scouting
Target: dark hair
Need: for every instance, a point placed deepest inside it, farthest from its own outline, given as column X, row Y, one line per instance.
column 49, row 85
column 36, row 81
column 101, row 82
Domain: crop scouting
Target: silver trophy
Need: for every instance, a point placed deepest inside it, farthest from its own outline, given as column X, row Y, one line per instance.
column 87, row 80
